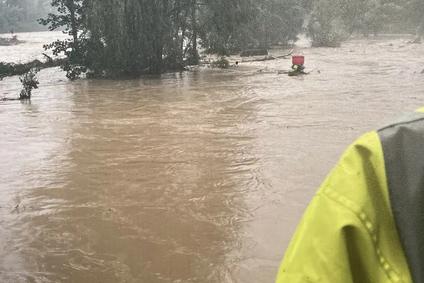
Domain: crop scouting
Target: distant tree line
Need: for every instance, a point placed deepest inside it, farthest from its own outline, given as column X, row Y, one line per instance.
column 22, row 15
column 124, row 38
column 332, row 21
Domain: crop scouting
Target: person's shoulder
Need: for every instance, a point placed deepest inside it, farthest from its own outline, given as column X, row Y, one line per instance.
column 412, row 118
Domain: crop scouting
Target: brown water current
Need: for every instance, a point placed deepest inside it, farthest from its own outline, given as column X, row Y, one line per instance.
column 200, row 176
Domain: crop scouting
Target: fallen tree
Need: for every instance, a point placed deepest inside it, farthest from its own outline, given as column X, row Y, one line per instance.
column 293, row 72
column 27, row 74
column 12, row 69
column 253, row 52
column 267, row 58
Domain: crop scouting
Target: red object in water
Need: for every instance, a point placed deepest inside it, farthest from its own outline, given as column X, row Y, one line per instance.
column 298, row 60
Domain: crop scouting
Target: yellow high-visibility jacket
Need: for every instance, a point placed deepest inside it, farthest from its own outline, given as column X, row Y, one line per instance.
column 366, row 221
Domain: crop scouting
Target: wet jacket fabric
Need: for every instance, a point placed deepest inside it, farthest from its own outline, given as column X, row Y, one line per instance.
column 366, row 221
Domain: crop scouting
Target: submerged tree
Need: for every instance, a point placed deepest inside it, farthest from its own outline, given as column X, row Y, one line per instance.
column 130, row 37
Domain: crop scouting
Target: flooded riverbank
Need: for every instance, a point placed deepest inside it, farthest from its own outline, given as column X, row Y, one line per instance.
column 199, row 176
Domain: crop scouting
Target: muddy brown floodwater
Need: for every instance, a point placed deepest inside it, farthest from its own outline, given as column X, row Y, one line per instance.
column 194, row 177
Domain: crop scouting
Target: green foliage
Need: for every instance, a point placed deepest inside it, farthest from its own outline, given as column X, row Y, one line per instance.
column 71, row 18
column 29, row 82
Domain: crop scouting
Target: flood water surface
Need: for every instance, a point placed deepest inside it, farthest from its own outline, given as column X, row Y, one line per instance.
column 199, row 176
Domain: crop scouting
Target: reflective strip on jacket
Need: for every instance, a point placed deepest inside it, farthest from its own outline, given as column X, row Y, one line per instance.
column 366, row 221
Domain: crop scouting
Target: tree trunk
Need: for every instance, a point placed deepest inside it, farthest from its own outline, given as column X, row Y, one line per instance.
column 156, row 59
column 194, row 55
column 74, row 24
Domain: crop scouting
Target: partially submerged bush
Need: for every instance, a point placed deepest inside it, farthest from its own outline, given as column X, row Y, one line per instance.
column 10, row 41
column 29, row 82
column 222, row 63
